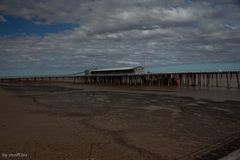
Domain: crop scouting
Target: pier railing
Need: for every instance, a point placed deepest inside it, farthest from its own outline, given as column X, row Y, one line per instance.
column 228, row 79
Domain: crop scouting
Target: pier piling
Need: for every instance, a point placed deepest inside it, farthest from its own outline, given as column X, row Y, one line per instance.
column 228, row 79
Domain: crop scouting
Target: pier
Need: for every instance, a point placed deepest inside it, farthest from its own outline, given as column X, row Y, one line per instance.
column 227, row 79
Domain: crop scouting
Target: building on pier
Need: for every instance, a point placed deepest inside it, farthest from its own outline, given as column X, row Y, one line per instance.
column 122, row 70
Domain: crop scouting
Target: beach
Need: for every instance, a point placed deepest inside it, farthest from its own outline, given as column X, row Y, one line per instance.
column 87, row 122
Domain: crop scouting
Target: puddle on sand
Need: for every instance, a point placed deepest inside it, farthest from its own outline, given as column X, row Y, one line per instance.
column 154, row 108
column 222, row 109
column 192, row 104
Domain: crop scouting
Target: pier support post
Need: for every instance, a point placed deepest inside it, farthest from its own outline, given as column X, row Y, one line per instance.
column 227, row 80
column 199, row 79
column 208, row 79
column 217, row 80
column 237, row 75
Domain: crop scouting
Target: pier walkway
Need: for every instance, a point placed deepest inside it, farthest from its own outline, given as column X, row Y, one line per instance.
column 227, row 79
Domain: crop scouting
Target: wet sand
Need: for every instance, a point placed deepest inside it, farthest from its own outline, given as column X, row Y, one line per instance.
column 56, row 121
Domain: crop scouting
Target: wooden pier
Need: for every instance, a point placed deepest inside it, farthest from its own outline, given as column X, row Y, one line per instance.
column 228, row 79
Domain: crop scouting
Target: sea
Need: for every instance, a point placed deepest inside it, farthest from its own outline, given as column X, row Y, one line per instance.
column 204, row 67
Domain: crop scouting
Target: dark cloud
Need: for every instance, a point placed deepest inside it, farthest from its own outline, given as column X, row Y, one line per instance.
column 115, row 33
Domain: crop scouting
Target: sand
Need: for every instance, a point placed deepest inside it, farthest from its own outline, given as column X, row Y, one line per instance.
column 59, row 121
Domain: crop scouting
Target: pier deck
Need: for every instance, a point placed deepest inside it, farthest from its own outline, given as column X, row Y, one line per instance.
column 228, row 79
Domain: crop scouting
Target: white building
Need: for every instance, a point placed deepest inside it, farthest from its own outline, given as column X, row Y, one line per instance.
column 122, row 70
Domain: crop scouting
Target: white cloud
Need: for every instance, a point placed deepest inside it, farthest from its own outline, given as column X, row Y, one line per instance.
column 128, row 62
column 118, row 33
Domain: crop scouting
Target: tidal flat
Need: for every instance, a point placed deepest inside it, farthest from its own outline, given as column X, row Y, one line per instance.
column 58, row 121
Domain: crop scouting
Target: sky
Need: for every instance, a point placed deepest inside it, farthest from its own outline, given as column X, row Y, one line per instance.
column 67, row 36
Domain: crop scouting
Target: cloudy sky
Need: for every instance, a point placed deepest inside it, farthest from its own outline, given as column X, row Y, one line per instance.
column 61, row 36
